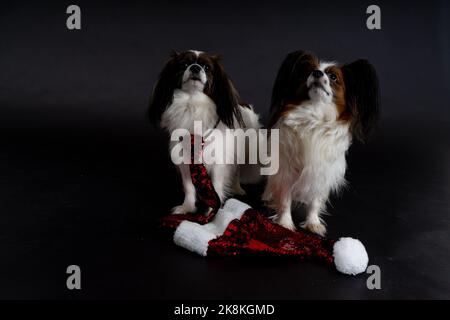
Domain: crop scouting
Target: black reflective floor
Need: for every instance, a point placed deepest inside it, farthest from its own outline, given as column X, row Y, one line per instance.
column 93, row 199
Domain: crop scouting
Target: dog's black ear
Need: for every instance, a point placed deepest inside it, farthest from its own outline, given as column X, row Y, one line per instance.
column 293, row 73
column 224, row 95
column 163, row 89
column 362, row 95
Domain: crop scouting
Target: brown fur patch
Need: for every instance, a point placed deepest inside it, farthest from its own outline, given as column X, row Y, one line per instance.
column 288, row 108
column 338, row 87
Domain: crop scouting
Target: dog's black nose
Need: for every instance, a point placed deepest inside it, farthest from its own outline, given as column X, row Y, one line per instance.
column 195, row 68
column 317, row 74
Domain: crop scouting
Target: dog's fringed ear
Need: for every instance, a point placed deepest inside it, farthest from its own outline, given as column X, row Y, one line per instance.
column 362, row 94
column 293, row 73
column 225, row 96
column 163, row 89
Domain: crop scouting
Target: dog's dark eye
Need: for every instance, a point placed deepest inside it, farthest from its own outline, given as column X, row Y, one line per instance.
column 187, row 63
column 206, row 67
column 332, row 76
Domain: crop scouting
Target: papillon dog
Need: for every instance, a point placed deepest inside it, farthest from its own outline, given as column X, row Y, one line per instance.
column 318, row 107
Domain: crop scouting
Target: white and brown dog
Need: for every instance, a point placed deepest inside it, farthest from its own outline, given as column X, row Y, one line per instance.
column 318, row 108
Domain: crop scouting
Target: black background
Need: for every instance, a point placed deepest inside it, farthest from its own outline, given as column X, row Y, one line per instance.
column 83, row 176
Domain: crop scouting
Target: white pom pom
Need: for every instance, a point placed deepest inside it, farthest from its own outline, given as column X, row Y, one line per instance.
column 350, row 256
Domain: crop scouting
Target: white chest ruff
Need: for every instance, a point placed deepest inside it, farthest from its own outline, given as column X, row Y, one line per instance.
column 313, row 145
column 187, row 108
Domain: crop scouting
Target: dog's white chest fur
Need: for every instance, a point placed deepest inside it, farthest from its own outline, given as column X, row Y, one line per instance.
column 313, row 144
column 188, row 107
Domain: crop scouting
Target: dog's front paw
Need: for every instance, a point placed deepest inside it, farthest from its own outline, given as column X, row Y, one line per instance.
column 183, row 209
column 285, row 221
column 317, row 228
